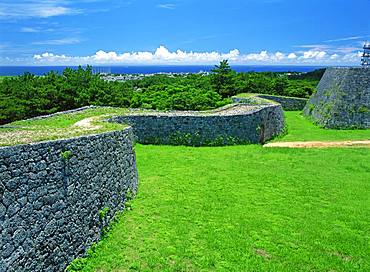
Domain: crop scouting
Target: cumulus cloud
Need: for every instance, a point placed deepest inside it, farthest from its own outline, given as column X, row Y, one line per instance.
column 279, row 56
column 313, row 54
column 262, row 56
column 292, row 56
column 164, row 56
column 161, row 55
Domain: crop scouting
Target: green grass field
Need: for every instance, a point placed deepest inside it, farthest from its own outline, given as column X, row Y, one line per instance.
column 245, row 208
column 301, row 129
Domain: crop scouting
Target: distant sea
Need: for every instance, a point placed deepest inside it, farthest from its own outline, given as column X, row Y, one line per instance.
column 40, row 70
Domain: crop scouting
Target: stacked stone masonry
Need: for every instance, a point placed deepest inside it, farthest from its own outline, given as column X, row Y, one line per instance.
column 57, row 196
column 342, row 99
column 288, row 103
column 235, row 124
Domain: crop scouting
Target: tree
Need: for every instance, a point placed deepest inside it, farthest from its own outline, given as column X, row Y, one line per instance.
column 280, row 85
column 223, row 79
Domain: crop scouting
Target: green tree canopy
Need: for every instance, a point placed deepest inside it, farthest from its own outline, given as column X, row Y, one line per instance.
column 222, row 79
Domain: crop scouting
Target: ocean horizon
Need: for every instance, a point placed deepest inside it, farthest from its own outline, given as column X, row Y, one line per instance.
column 153, row 69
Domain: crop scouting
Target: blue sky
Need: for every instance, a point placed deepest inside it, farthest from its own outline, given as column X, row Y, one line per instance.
column 66, row 32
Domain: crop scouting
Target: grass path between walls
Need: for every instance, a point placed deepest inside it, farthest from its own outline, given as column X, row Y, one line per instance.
column 301, row 129
column 244, row 208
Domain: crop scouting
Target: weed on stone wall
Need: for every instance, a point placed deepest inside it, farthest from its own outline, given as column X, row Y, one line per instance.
column 196, row 139
column 103, row 213
column 363, row 109
column 66, row 155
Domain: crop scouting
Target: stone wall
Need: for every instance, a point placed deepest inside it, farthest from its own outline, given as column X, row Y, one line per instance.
column 57, row 196
column 342, row 99
column 288, row 103
column 235, row 124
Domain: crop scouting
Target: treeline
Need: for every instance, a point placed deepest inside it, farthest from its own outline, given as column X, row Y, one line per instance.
column 29, row 95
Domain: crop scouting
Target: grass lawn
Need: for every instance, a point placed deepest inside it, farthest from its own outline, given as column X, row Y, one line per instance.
column 245, row 208
column 301, row 129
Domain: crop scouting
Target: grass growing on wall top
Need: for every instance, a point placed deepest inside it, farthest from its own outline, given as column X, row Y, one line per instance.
column 60, row 126
column 249, row 95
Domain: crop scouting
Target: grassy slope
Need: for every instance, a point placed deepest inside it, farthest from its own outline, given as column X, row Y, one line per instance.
column 58, row 127
column 244, row 208
column 301, row 129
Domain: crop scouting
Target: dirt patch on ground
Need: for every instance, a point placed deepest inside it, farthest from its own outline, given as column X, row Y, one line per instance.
column 318, row 144
column 87, row 123
column 263, row 253
column 342, row 256
column 25, row 135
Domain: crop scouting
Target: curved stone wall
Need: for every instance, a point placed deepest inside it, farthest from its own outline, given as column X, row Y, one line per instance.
column 57, row 196
column 234, row 124
column 288, row 103
column 342, row 99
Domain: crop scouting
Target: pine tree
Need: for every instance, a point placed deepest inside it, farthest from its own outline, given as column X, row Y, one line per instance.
column 222, row 79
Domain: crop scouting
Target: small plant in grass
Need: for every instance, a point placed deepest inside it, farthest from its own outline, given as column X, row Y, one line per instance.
column 103, row 213
column 129, row 196
column 79, row 263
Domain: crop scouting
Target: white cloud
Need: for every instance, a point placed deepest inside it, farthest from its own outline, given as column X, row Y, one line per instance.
column 63, row 41
column 164, row 56
column 262, row 56
column 279, row 56
column 29, row 30
column 314, row 46
column 332, row 49
column 313, row 54
column 292, row 56
column 352, row 57
column 166, row 6
column 33, row 8
column 346, row 39
column 35, row 29
column 47, row 55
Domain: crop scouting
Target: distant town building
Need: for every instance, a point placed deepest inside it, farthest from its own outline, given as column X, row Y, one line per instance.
column 365, row 61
